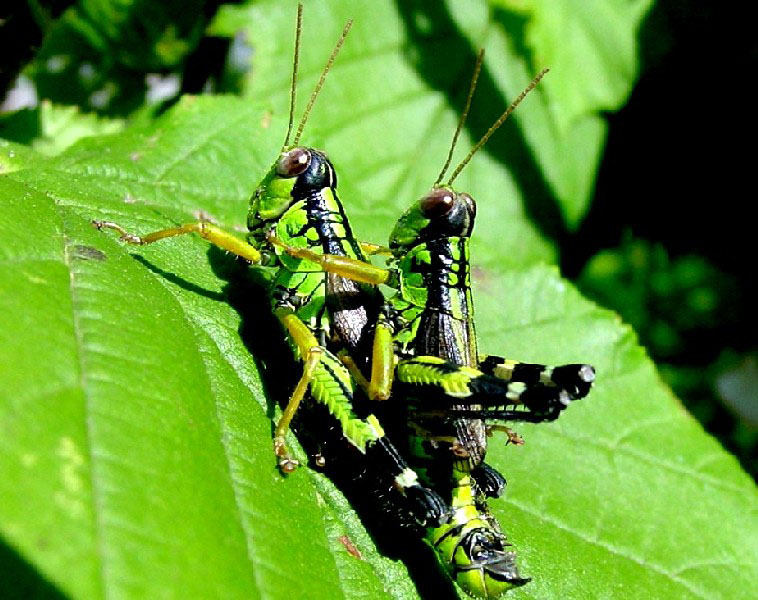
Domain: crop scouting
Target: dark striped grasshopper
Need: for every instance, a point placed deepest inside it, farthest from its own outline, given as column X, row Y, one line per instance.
column 444, row 383
column 431, row 315
column 297, row 202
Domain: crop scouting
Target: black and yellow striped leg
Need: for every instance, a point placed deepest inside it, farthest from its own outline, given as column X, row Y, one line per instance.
column 435, row 382
column 444, row 391
column 329, row 383
column 575, row 379
column 427, row 507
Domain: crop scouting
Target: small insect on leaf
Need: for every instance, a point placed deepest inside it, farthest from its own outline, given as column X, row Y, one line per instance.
column 350, row 547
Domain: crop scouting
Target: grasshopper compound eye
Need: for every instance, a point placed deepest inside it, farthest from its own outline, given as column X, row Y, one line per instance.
column 293, row 162
column 437, row 203
column 469, row 202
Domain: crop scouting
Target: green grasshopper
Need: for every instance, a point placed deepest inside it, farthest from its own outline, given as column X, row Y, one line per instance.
column 297, row 202
column 433, row 316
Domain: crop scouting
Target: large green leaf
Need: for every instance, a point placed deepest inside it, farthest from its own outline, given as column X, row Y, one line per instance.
column 135, row 436
column 629, row 494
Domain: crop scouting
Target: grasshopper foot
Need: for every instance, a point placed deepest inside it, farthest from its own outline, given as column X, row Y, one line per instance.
column 287, row 464
column 489, row 480
column 427, row 506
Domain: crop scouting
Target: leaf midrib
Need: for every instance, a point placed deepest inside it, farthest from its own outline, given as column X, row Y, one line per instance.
column 97, row 522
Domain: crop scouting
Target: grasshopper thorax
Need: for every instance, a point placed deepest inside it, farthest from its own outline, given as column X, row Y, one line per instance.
column 442, row 213
column 297, row 173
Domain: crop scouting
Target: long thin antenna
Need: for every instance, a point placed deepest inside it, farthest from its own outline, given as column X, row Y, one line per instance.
column 321, row 80
column 295, row 61
column 497, row 124
column 464, row 114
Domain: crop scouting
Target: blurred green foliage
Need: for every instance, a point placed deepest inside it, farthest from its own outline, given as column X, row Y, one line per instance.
column 671, row 303
column 686, row 312
column 51, row 128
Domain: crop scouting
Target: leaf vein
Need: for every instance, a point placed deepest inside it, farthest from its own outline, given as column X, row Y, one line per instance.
column 622, row 552
column 651, row 459
column 132, row 178
column 97, row 510
column 236, row 483
column 200, row 141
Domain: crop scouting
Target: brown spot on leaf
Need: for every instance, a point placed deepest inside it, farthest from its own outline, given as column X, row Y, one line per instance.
column 88, row 253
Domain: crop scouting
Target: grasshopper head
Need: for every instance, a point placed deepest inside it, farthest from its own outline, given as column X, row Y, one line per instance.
column 442, row 213
column 297, row 172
